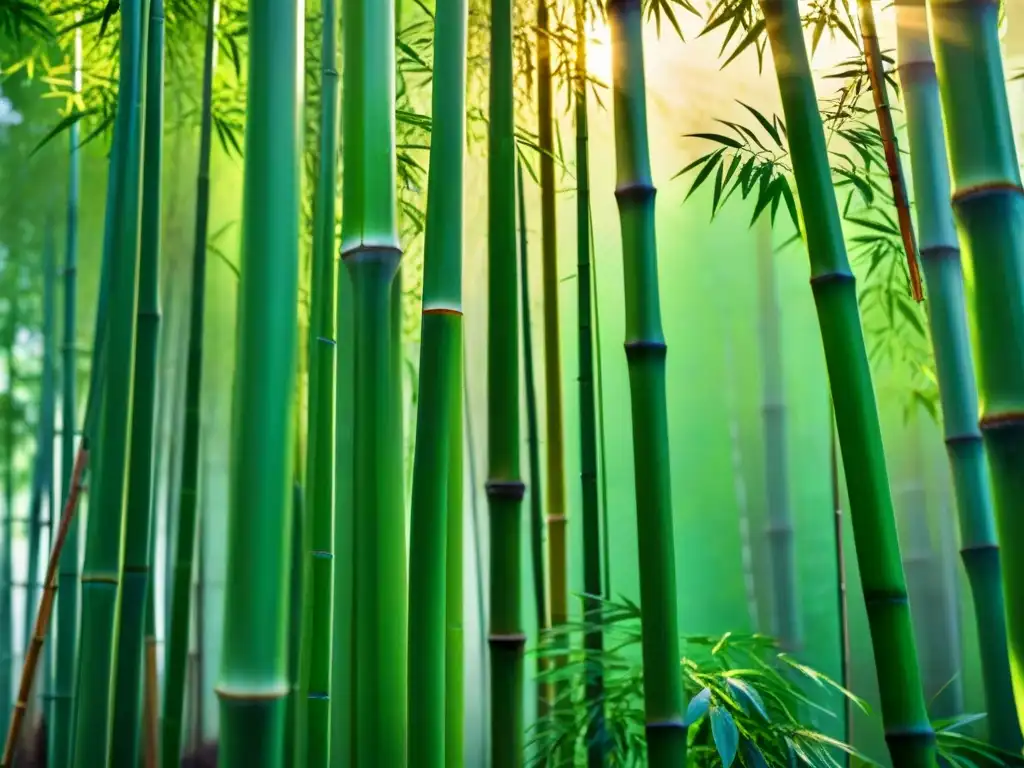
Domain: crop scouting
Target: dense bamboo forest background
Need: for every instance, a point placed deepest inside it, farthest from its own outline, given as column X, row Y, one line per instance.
column 319, row 444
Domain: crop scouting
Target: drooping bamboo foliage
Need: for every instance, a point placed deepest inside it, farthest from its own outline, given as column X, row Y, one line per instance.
column 454, row 669
column 440, row 395
column 504, row 487
column 590, row 507
column 66, row 635
column 371, row 252
column 785, row 608
column 320, row 430
column 102, row 564
column 554, row 442
column 537, row 563
column 645, row 354
column 188, row 502
column 883, row 112
column 135, row 574
column 909, row 734
column 253, row 682
column 988, row 203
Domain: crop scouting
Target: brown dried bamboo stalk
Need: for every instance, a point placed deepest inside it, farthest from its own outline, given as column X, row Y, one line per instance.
column 883, row 111
column 28, row 670
column 150, row 712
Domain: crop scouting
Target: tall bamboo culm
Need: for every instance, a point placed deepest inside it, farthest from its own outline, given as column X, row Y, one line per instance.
column 909, row 733
column 253, row 682
column 785, row 605
column 66, row 634
column 988, row 204
column 104, row 533
column 645, row 354
column 454, row 670
column 505, row 488
column 536, row 511
column 440, row 395
column 7, row 549
column 188, row 510
column 371, row 253
column 320, row 430
column 135, row 574
column 947, row 315
column 591, row 510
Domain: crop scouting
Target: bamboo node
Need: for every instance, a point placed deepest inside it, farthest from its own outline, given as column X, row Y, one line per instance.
column 322, row 554
column 832, row 277
column 669, row 723
column 635, row 192
column 1004, row 420
column 510, row 490
column 646, row 348
column 511, row 641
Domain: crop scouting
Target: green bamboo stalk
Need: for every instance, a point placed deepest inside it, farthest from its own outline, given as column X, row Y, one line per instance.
column 68, row 590
column 645, row 352
column 951, row 339
column 537, row 564
column 371, row 252
column 606, row 557
column 320, row 431
column 454, row 670
column 786, row 608
column 554, row 442
column 504, row 487
column 7, row 553
column 343, row 642
column 908, row 732
column 44, row 440
column 841, row 591
column 104, row 534
column 135, row 574
column 185, row 533
column 440, row 395
column 591, row 508
column 253, row 684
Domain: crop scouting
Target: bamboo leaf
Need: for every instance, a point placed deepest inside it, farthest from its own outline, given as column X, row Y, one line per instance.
column 726, row 734
column 698, row 707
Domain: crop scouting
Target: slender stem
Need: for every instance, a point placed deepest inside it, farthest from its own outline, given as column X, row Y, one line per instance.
column 540, row 595
column 844, row 604
column 883, row 112
column 454, row 695
column 188, row 511
column 591, row 510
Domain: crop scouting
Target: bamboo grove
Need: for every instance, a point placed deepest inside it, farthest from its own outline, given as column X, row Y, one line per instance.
column 398, row 591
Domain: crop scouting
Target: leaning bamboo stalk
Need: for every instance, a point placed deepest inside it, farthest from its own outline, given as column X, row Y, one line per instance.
column 954, row 363
column 883, row 112
column 909, row 735
column 42, row 622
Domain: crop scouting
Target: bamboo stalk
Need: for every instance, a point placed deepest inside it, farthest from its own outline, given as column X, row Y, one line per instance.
column 137, row 564
column 785, row 616
column 646, row 351
column 454, row 695
column 883, row 112
column 590, row 508
column 103, row 557
column 504, row 487
column 951, row 339
column 42, row 621
column 844, row 605
column 440, row 396
column 554, row 441
column 185, row 533
column 321, row 421
column 909, row 734
column 253, row 683
column 7, row 549
column 371, row 253
column 537, row 563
